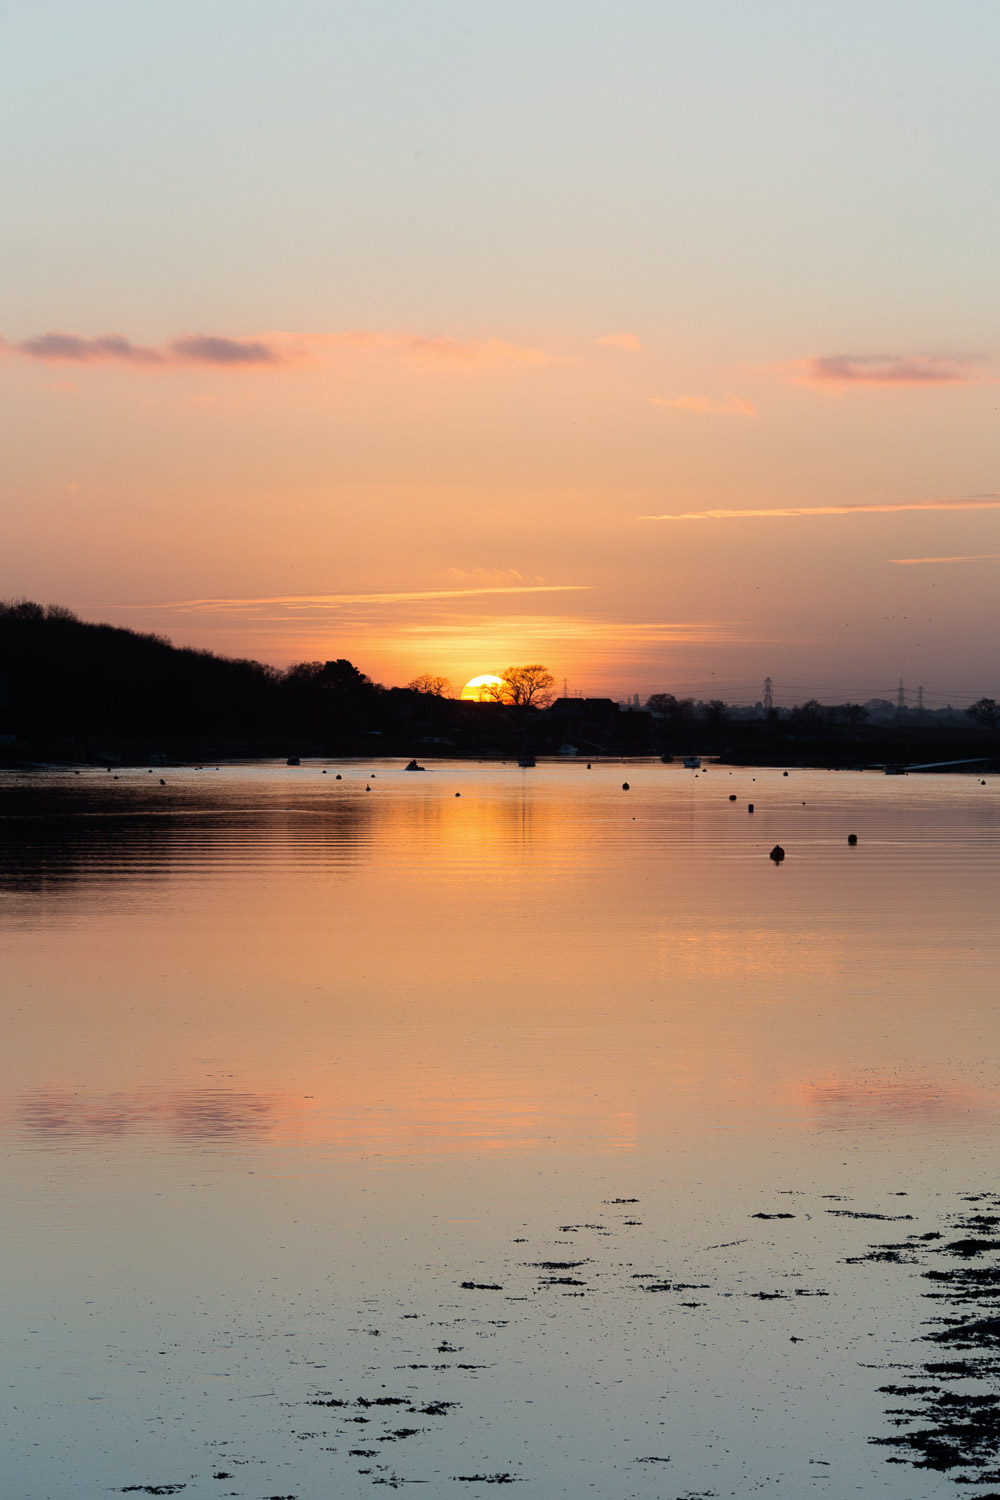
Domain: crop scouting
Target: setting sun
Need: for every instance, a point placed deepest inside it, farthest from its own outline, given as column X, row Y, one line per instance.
column 479, row 689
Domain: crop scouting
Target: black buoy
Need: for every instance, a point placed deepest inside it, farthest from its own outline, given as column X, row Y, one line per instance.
column 852, row 838
column 777, row 854
column 784, row 773
column 625, row 786
column 339, row 777
column 458, row 794
column 749, row 807
column 732, row 796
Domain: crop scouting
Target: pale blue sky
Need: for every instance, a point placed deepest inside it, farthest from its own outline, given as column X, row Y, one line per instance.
column 759, row 165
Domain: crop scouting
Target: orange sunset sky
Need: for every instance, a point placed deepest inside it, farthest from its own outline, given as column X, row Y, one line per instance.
column 657, row 342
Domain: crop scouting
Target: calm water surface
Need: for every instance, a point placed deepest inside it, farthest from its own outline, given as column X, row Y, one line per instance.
column 288, row 1059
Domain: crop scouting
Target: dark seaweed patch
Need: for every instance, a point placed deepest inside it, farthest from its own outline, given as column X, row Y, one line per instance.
column 968, row 1247
column 556, row 1265
column 893, row 1257
column 849, row 1213
column 504, row 1478
column 488, row 1479
column 983, row 1331
column 947, row 1429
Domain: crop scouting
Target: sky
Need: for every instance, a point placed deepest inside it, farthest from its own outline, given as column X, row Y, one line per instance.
column 655, row 342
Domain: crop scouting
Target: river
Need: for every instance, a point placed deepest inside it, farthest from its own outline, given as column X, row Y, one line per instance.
column 485, row 1125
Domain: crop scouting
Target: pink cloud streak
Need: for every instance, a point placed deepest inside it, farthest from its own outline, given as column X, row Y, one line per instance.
column 891, row 369
column 114, row 348
column 786, row 512
column 268, row 350
column 914, row 562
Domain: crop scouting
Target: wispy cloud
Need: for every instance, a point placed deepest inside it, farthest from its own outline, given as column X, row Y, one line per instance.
column 210, row 349
column 732, row 406
column 457, row 627
column 603, row 643
column 114, row 348
column 786, row 512
column 892, row 369
column 315, row 604
column 607, row 636
column 914, row 562
column 270, row 350
column 109, row 348
column 627, row 341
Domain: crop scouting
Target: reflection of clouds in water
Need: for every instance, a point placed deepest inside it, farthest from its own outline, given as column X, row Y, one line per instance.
column 420, row 1126
column 62, row 1117
column 847, row 1103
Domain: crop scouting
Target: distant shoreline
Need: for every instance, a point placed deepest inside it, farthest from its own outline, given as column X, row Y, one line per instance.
column 124, row 761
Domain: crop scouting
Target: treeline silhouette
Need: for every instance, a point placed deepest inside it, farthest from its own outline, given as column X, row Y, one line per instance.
column 101, row 694
column 83, row 689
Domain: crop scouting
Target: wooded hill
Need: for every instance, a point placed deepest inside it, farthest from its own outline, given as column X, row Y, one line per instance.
column 88, row 692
